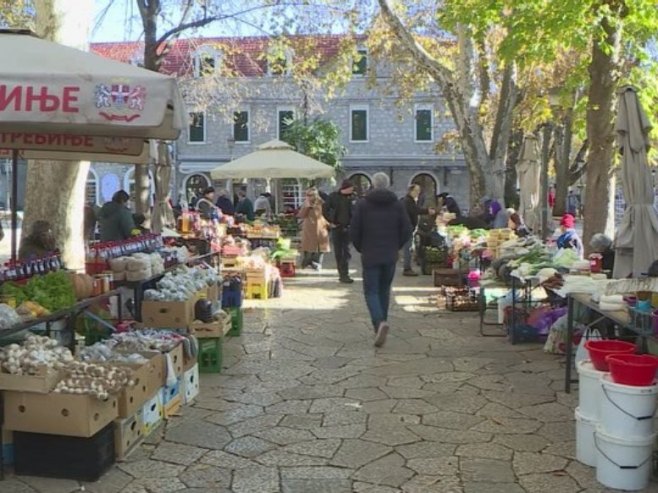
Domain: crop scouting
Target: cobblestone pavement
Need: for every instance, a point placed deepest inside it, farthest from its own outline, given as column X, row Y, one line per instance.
column 306, row 404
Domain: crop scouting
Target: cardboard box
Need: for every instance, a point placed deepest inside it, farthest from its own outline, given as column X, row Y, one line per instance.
column 148, row 378
column 152, row 414
column 168, row 314
column 170, row 392
column 173, row 407
column 176, row 356
column 43, row 382
column 128, row 434
column 213, row 292
column 203, row 330
column 190, row 384
column 58, row 414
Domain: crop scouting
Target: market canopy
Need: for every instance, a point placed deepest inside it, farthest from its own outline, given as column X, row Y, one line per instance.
column 48, row 88
column 636, row 243
column 274, row 159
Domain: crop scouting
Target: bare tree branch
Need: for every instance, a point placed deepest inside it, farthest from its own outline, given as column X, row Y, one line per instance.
column 442, row 74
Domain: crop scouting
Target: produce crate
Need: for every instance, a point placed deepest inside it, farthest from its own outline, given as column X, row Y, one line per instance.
column 461, row 301
column 257, row 290
column 435, row 255
column 152, row 414
column 427, row 268
column 128, row 434
column 190, row 383
column 173, row 407
column 448, row 277
column 210, row 355
column 237, row 321
column 64, row 457
column 287, row 268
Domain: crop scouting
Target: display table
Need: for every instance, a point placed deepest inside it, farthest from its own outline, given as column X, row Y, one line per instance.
column 138, row 287
column 574, row 300
column 490, row 293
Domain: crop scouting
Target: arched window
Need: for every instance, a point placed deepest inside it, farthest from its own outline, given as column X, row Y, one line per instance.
column 92, row 190
column 194, row 185
column 206, row 61
column 361, row 182
column 129, row 185
column 428, row 189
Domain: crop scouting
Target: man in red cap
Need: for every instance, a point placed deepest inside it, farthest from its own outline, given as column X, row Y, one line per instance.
column 338, row 211
column 569, row 237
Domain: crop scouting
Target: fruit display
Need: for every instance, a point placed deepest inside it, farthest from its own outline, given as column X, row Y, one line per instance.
column 436, row 255
column 8, row 317
column 33, row 355
column 144, row 340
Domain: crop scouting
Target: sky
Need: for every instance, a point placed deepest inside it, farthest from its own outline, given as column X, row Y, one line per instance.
column 120, row 22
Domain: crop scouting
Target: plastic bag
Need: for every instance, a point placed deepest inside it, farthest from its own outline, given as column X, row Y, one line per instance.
column 589, row 335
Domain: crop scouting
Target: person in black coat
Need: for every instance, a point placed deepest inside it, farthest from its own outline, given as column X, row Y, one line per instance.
column 337, row 210
column 448, row 201
column 379, row 228
column 414, row 211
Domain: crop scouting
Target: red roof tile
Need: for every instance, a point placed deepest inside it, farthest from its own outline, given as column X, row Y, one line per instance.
column 245, row 56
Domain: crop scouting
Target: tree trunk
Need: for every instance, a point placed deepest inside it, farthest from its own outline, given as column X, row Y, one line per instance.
column 149, row 11
column 563, row 140
column 603, row 70
column 511, row 178
column 55, row 190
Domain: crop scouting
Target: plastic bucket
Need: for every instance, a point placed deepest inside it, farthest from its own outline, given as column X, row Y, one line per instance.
column 590, row 392
column 627, row 411
column 585, row 447
column 638, row 370
column 623, row 464
column 599, row 349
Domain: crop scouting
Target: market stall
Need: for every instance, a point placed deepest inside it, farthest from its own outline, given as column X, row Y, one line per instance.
column 81, row 104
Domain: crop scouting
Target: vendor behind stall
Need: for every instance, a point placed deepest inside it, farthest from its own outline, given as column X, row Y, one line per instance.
column 224, row 203
column 39, row 242
column 569, row 237
column 206, row 204
column 447, row 201
column 262, row 205
column 115, row 219
column 602, row 245
column 244, row 205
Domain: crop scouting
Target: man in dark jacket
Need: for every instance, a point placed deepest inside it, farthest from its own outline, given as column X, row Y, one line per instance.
column 337, row 211
column 224, row 203
column 115, row 220
column 414, row 211
column 380, row 227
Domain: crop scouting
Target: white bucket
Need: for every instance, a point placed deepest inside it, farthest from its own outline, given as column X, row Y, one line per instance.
column 623, row 464
column 590, row 393
column 585, row 448
column 627, row 411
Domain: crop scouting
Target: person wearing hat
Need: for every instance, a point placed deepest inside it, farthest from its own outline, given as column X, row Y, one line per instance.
column 569, row 237
column 338, row 212
column 206, row 204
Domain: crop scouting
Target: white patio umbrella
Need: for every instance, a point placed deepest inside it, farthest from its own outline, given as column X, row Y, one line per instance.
column 60, row 100
column 528, row 171
column 274, row 159
column 636, row 243
column 163, row 215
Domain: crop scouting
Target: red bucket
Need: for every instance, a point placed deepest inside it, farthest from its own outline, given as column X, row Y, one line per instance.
column 638, row 370
column 599, row 349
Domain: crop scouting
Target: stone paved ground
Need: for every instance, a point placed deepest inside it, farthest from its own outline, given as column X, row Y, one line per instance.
column 306, row 404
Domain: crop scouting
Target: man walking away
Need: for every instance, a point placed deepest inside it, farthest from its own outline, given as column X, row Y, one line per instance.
column 380, row 227
column 338, row 212
column 414, row 211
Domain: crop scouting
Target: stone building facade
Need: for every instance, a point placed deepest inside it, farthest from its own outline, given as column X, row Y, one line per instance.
column 380, row 134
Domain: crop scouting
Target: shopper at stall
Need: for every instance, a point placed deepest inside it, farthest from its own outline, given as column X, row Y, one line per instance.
column 262, row 205
column 39, row 242
column 315, row 230
column 380, row 227
column 140, row 221
column 448, row 202
column 245, row 207
column 602, row 245
column 338, row 212
column 115, row 220
column 474, row 220
column 414, row 211
column 569, row 237
column 224, row 203
column 516, row 224
column 206, row 204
